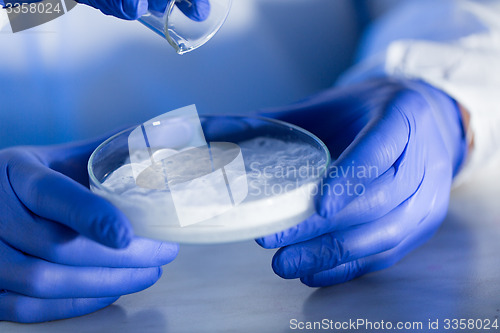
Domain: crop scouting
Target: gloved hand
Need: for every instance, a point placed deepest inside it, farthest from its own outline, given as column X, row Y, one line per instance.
column 398, row 145
column 64, row 251
column 196, row 10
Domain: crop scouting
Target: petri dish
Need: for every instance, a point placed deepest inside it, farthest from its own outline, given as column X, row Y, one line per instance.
column 186, row 34
column 262, row 177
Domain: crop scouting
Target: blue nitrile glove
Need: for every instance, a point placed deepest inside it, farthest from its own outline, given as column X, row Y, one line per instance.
column 65, row 252
column 398, row 145
column 196, row 10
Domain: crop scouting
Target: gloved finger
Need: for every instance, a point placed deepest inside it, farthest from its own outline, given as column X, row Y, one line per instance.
column 306, row 230
column 24, row 309
column 223, row 129
column 57, row 243
column 71, row 159
column 15, row 3
column 356, row 268
column 68, row 159
column 333, row 249
column 379, row 146
column 196, row 10
column 41, row 279
column 56, row 197
column 124, row 9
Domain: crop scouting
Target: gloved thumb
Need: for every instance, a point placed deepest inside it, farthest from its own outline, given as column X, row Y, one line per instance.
column 376, row 149
column 196, row 10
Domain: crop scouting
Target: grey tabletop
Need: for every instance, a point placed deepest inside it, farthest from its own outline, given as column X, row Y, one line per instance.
column 232, row 288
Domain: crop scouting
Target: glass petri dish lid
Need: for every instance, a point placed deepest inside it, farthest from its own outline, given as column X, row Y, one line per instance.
column 254, row 177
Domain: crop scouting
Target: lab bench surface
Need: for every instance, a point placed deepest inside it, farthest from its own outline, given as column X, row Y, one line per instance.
column 232, row 288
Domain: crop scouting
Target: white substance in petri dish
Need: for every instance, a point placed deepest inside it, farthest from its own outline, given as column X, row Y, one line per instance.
column 281, row 176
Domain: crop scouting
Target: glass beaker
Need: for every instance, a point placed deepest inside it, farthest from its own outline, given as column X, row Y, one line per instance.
column 183, row 33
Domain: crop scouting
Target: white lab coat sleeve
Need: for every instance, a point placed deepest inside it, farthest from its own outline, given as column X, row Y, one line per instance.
column 453, row 45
